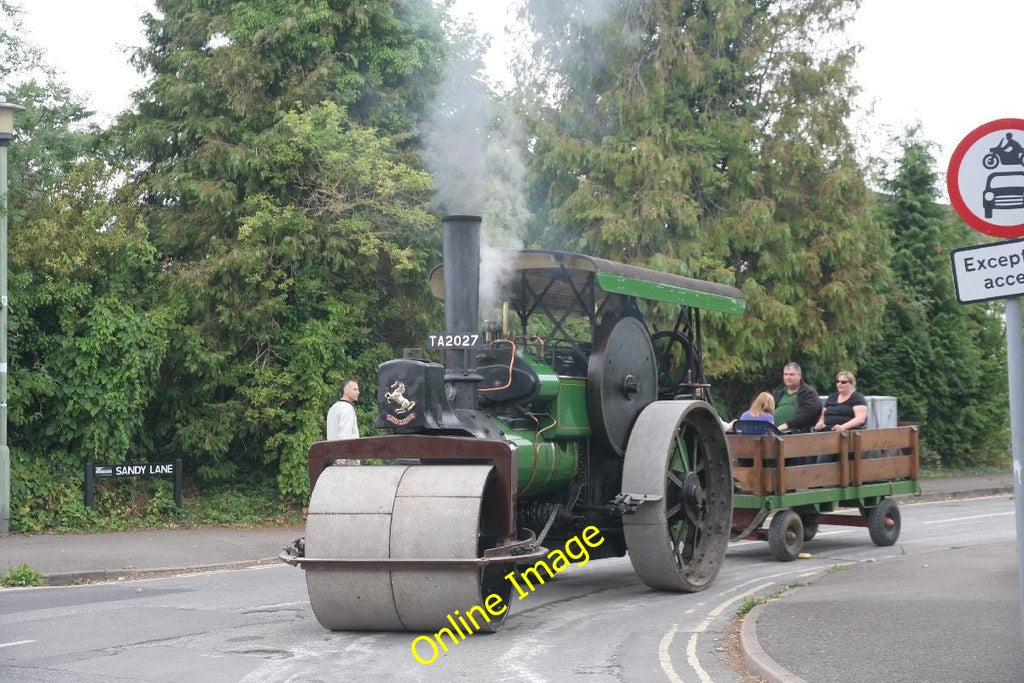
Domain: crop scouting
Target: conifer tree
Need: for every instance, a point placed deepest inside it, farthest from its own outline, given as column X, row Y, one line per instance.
column 942, row 360
column 708, row 139
column 275, row 144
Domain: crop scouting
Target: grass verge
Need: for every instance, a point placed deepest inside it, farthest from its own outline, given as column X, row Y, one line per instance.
column 21, row 576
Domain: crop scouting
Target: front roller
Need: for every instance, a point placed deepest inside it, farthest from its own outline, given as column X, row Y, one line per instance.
column 407, row 541
column 677, row 463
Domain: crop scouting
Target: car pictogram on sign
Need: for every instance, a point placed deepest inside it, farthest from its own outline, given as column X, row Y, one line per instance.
column 1003, row 191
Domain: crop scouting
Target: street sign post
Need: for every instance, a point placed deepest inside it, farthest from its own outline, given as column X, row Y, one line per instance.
column 986, row 188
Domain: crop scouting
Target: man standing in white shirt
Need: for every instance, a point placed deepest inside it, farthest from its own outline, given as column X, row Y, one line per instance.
column 341, row 417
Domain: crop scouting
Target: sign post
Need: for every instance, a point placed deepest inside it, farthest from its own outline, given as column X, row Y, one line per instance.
column 986, row 188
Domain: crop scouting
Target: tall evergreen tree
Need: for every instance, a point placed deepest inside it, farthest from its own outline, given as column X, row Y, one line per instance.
column 708, row 139
column 943, row 361
column 280, row 187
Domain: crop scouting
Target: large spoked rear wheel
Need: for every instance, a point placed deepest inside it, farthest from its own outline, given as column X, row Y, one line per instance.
column 678, row 457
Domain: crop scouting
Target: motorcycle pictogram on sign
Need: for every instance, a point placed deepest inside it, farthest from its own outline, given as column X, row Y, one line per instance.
column 1008, row 152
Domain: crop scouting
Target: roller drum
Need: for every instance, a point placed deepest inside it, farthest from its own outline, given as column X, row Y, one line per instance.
column 400, row 512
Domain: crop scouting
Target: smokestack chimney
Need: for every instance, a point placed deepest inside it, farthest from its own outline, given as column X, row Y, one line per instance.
column 461, row 273
column 461, row 244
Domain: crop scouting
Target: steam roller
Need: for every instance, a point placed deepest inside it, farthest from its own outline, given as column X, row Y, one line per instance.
column 581, row 403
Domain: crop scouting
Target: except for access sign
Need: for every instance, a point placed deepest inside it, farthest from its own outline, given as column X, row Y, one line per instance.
column 986, row 178
column 990, row 271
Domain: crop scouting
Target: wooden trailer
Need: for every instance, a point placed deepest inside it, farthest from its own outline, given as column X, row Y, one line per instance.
column 804, row 480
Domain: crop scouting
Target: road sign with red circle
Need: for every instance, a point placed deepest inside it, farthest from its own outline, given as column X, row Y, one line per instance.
column 986, row 178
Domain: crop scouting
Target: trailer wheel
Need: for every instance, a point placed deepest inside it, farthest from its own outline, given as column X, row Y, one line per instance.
column 786, row 536
column 884, row 522
column 677, row 458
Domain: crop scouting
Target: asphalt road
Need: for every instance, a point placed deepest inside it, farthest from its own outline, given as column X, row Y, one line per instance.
column 595, row 623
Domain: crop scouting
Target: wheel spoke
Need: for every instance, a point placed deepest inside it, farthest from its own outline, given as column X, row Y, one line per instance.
column 675, row 456
column 678, row 533
column 694, row 449
column 680, row 456
column 685, row 544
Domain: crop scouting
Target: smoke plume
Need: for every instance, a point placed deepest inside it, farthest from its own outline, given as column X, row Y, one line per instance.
column 474, row 150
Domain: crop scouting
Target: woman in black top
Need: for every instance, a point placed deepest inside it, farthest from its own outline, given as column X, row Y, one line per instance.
column 845, row 408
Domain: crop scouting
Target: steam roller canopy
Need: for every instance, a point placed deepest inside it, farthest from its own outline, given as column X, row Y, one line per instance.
column 622, row 379
column 400, row 512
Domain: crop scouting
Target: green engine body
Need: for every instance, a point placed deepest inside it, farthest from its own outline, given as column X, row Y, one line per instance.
column 541, row 413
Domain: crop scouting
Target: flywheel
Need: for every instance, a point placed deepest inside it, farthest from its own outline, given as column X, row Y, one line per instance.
column 622, row 379
column 677, row 462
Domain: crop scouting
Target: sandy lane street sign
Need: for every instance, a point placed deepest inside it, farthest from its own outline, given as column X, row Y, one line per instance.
column 989, row 271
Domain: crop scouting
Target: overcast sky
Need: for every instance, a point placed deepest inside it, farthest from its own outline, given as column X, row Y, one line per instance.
column 948, row 66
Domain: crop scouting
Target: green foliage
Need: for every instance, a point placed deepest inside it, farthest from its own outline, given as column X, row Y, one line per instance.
column 752, row 601
column 272, row 238
column 46, row 492
column 290, row 220
column 708, row 139
column 307, row 294
column 20, row 576
column 944, row 361
column 127, row 504
column 86, row 339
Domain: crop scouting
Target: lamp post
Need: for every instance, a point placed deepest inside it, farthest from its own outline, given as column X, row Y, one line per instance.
column 6, row 135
